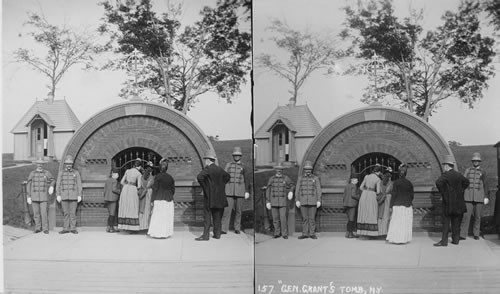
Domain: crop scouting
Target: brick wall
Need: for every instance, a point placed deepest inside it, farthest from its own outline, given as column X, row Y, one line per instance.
column 377, row 130
column 138, row 124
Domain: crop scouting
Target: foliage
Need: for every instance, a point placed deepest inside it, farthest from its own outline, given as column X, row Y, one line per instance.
column 307, row 52
column 420, row 70
column 492, row 8
column 211, row 55
column 64, row 49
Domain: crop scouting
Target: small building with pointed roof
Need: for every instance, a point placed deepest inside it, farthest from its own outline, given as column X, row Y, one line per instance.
column 285, row 135
column 44, row 130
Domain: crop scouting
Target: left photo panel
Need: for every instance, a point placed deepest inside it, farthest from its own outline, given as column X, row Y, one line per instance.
column 127, row 152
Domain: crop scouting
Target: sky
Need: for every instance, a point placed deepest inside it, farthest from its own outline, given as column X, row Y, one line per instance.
column 89, row 92
column 329, row 97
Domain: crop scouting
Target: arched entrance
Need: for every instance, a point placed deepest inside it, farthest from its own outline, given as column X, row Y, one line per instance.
column 356, row 141
column 125, row 159
column 138, row 129
column 365, row 164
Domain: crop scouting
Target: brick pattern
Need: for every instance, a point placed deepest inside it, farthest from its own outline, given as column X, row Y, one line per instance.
column 162, row 113
column 393, row 132
column 96, row 161
column 380, row 137
column 188, row 204
column 138, row 124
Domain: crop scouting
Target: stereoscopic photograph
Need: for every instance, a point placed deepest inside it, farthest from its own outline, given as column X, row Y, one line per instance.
column 239, row 146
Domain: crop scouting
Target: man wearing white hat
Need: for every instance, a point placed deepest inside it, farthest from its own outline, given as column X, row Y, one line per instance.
column 276, row 194
column 237, row 189
column 213, row 181
column 451, row 184
column 476, row 196
column 308, row 199
column 40, row 184
column 69, row 194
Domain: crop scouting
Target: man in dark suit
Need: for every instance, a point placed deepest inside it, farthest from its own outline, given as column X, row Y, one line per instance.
column 213, row 181
column 451, row 184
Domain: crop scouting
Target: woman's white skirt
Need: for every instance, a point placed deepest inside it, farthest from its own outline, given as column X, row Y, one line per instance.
column 162, row 219
column 401, row 225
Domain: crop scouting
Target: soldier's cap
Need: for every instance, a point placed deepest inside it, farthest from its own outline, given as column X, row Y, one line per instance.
column 308, row 165
column 68, row 160
column 150, row 164
column 164, row 159
column 279, row 166
column 448, row 159
column 237, row 151
column 39, row 161
column 138, row 159
column 476, row 156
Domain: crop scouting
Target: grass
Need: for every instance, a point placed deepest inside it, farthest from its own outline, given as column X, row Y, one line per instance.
column 13, row 202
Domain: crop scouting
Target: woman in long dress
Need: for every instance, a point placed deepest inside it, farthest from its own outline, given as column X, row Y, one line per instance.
column 384, row 201
column 162, row 200
column 128, row 212
column 368, row 206
column 401, row 225
column 145, row 198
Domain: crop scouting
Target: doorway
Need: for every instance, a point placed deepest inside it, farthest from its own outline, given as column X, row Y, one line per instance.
column 364, row 165
column 125, row 159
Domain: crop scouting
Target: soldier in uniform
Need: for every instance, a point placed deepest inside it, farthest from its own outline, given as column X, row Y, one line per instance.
column 276, row 200
column 451, row 184
column 476, row 196
column 237, row 189
column 69, row 194
column 308, row 199
column 213, row 181
column 40, row 185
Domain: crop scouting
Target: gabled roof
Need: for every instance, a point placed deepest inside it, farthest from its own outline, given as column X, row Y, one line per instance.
column 43, row 116
column 286, row 122
column 297, row 118
column 57, row 114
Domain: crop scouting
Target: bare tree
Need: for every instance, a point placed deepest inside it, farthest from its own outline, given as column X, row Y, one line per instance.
column 64, row 49
column 306, row 52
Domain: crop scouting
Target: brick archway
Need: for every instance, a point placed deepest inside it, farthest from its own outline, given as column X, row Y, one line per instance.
column 378, row 129
column 138, row 124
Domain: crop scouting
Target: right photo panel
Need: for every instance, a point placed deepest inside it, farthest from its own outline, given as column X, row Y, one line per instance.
column 376, row 157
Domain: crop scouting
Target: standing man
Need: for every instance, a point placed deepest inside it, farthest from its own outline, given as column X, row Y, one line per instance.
column 112, row 189
column 476, row 196
column 308, row 199
column 40, row 185
column 69, row 194
column 213, row 181
column 237, row 189
column 277, row 188
column 451, row 184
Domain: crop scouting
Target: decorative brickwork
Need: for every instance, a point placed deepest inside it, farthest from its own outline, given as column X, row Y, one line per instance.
column 382, row 131
column 147, row 125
